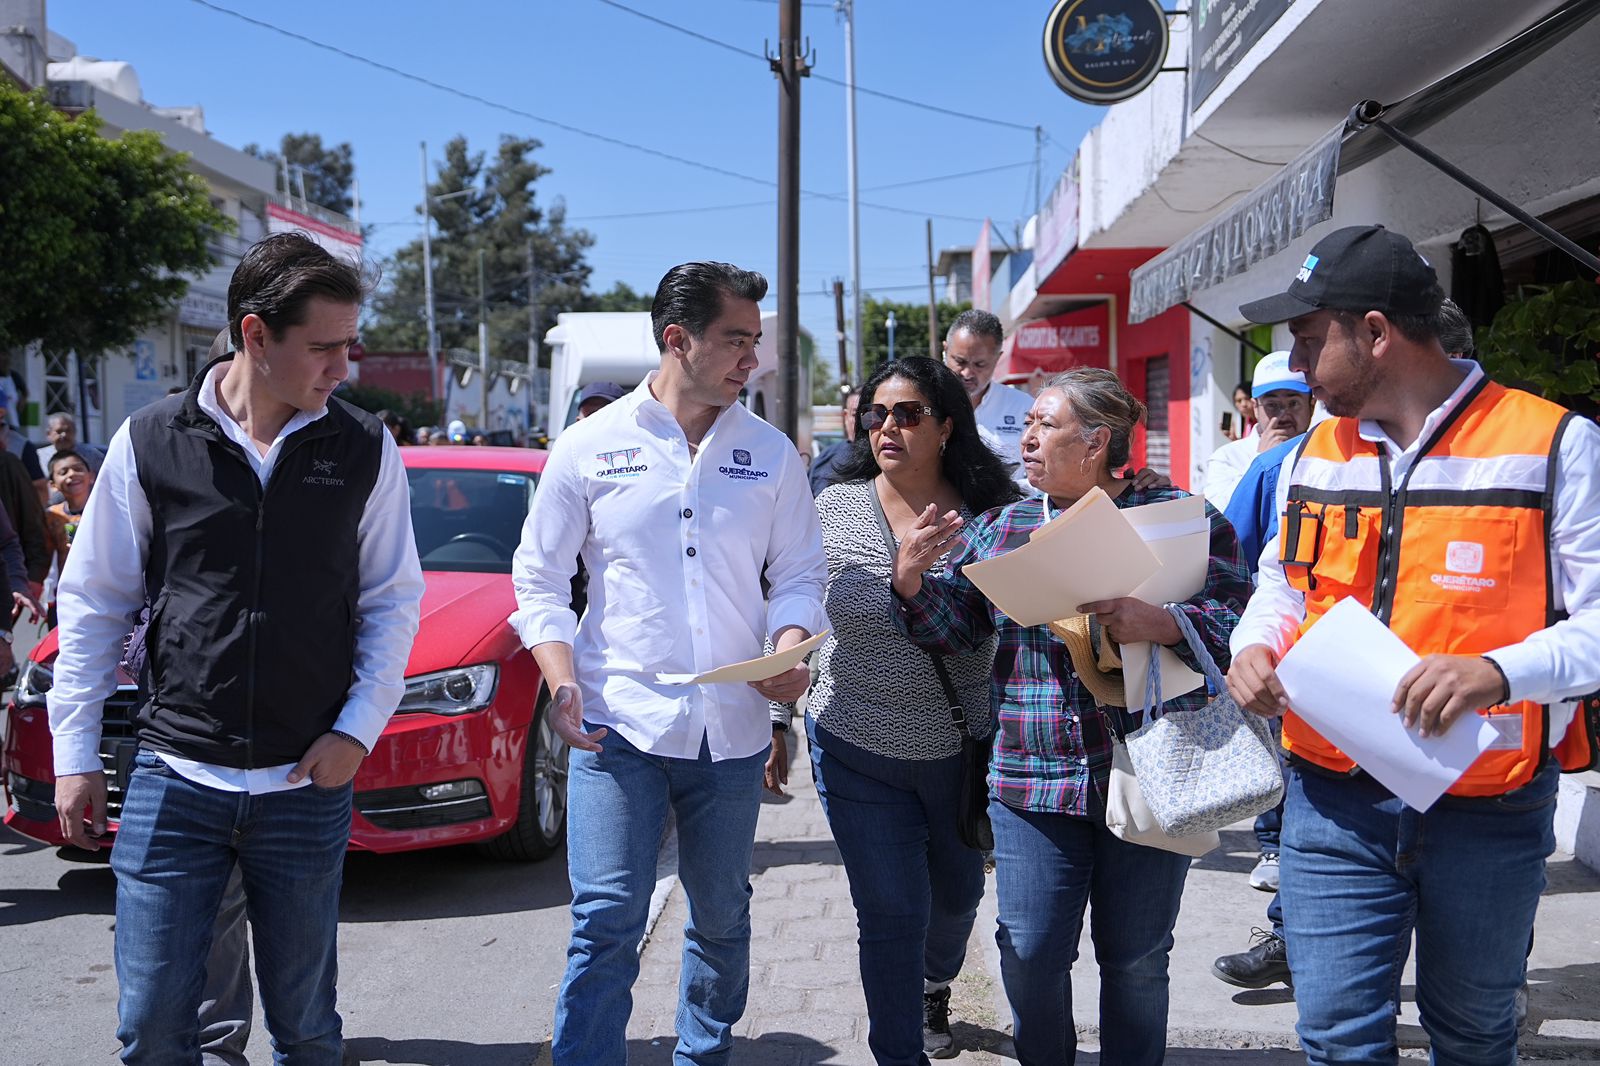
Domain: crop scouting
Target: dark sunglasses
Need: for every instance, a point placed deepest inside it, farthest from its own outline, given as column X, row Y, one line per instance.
column 906, row 414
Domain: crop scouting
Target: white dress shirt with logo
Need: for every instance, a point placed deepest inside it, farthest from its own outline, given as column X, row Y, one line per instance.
column 103, row 587
column 677, row 544
column 1002, row 416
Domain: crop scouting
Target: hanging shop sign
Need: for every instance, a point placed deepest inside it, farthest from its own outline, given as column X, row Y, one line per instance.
column 1261, row 225
column 1222, row 32
column 1060, row 342
column 1102, row 51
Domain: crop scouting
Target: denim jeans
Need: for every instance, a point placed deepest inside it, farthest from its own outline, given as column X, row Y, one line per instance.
column 1048, row 866
column 1361, row 871
column 227, row 999
column 915, row 886
column 177, row 845
column 617, row 804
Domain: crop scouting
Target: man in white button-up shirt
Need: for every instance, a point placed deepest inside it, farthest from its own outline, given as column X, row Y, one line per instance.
column 695, row 522
column 972, row 352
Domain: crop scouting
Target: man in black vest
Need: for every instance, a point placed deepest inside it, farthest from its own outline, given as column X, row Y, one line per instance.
column 268, row 526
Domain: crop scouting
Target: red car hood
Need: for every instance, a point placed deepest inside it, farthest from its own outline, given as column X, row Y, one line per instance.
column 459, row 612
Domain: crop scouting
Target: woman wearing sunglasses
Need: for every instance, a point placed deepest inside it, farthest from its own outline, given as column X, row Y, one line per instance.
column 885, row 753
column 1052, row 757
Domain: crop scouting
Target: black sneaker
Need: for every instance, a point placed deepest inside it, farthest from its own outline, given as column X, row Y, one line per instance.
column 937, row 1043
column 1266, row 963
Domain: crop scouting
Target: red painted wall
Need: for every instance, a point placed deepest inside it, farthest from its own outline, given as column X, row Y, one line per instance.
column 1104, row 271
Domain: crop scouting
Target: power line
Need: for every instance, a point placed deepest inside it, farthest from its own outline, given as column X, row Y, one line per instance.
column 820, row 77
column 475, row 98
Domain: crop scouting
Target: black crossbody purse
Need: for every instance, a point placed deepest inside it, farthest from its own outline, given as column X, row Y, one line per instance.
column 972, row 810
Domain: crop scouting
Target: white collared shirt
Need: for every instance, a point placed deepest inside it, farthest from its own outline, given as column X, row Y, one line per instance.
column 103, row 586
column 1549, row 666
column 1002, row 416
column 677, row 546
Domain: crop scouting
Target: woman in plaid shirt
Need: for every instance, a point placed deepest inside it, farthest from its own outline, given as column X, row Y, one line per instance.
column 1052, row 755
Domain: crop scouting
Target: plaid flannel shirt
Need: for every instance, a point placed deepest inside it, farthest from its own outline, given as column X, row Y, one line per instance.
column 1052, row 741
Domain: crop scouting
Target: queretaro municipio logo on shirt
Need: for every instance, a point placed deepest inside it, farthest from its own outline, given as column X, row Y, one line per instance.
column 621, row 463
column 741, row 470
column 322, row 471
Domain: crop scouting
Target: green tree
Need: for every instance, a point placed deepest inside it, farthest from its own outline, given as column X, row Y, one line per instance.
column 910, row 328
column 415, row 408
column 620, row 297
column 1547, row 341
column 96, row 235
column 500, row 217
column 329, row 173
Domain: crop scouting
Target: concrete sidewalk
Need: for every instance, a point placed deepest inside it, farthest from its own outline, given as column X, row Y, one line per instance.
column 805, row 996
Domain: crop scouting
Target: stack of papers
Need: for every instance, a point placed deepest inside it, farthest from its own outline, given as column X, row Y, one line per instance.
column 1088, row 552
column 751, row 669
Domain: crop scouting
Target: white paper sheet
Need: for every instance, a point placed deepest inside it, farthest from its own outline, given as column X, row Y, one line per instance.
column 1087, row 553
column 751, row 669
column 1341, row 676
column 1179, row 533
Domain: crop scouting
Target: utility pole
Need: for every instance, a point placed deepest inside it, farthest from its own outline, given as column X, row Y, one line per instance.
column 845, row 381
column 533, row 330
column 427, row 281
column 790, row 66
column 933, row 305
column 483, row 349
column 847, row 9
column 1038, row 168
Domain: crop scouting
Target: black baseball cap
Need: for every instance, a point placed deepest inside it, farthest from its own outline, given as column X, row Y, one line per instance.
column 1357, row 268
column 609, row 391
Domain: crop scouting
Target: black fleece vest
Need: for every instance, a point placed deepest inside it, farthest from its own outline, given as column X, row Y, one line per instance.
column 252, row 629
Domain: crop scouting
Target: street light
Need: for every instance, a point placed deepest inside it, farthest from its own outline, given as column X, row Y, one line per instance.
column 890, row 323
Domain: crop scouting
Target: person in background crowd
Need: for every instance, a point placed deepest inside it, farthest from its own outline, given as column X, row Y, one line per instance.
column 437, row 435
column 21, row 502
column 884, row 751
column 22, row 596
column 701, row 509
column 1282, row 404
column 264, row 701
column 61, row 431
column 824, row 468
column 71, row 477
column 479, row 440
column 1052, row 756
column 596, row 395
column 1444, row 450
column 456, row 432
column 1244, row 419
column 395, row 425
column 972, row 351
column 24, row 449
column 423, row 435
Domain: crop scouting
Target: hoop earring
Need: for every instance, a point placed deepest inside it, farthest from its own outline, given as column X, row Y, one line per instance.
column 941, row 446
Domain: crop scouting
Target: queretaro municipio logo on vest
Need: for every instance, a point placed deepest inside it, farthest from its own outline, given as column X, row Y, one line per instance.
column 621, row 463
column 1464, row 560
column 322, row 471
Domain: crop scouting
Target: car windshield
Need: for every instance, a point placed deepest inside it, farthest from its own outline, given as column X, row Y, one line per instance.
column 468, row 520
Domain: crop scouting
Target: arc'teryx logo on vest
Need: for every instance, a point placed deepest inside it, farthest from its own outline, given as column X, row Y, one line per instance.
column 322, row 474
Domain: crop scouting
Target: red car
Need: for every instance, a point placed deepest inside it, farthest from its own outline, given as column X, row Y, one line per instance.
column 467, row 757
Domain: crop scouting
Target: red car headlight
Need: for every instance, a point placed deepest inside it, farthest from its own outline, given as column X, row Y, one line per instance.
column 460, row 691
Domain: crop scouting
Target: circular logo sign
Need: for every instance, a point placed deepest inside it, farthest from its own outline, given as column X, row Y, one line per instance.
column 1102, row 51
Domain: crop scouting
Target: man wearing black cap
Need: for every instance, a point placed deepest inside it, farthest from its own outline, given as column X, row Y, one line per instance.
column 596, row 395
column 1466, row 517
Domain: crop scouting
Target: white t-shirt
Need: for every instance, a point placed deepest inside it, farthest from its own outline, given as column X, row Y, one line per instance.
column 1000, row 415
column 1227, row 467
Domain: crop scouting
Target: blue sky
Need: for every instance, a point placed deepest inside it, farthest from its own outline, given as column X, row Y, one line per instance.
column 589, row 65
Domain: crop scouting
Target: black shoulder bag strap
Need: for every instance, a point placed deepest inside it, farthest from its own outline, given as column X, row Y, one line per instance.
column 957, row 715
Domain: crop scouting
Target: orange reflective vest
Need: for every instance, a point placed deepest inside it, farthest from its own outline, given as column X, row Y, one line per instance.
column 1455, row 559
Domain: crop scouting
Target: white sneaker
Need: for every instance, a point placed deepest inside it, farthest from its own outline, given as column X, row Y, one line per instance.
column 1264, row 877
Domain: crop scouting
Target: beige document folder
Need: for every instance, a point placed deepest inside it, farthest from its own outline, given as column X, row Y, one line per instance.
column 1088, row 552
column 751, row 669
column 1179, row 533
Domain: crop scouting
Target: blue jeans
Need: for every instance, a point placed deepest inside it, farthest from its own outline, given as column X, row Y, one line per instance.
column 617, row 804
column 177, row 846
column 915, row 886
column 1361, row 871
column 1048, row 866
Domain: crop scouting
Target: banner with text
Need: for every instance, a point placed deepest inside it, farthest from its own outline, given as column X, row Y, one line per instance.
column 1261, row 225
column 1224, row 31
